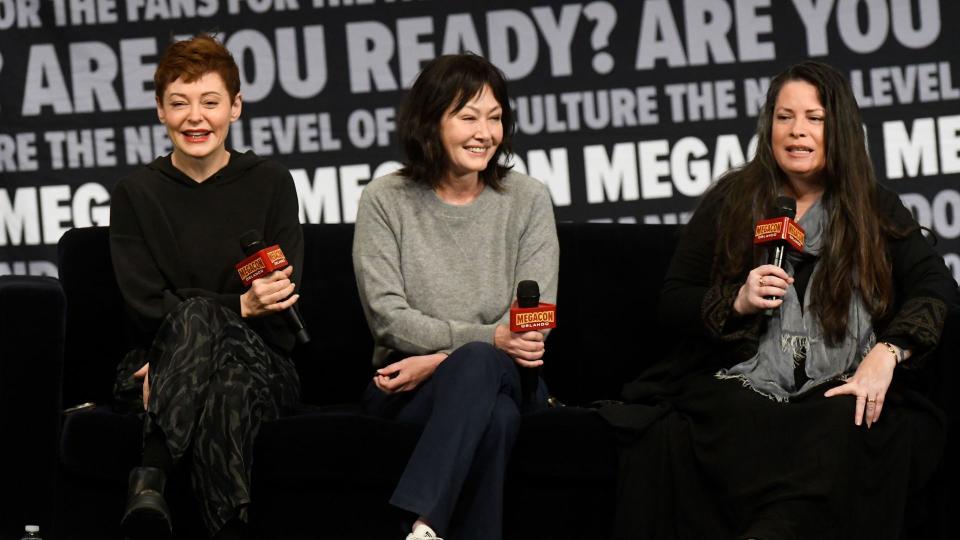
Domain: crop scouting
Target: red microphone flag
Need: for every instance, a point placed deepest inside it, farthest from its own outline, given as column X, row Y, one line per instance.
column 781, row 229
column 261, row 263
column 532, row 318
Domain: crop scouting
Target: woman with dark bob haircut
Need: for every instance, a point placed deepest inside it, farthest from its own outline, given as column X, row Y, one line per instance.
column 214, row 358
column 785, row 414
column 438, row 251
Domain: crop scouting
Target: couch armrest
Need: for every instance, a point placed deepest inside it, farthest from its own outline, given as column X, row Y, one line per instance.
column 32, row 311
column 938, row 507
column 942, row 367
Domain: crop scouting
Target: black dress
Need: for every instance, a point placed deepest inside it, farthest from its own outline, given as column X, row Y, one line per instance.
column 214, row 376
column 705, row 458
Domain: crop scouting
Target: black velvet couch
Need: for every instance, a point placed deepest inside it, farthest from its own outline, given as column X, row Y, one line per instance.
column 327, row 470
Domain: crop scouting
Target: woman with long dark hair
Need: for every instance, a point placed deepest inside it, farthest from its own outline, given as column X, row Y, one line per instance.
column 439, row 249
column 771, row 424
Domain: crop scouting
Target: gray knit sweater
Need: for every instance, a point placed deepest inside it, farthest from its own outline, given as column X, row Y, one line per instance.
column 434, row 276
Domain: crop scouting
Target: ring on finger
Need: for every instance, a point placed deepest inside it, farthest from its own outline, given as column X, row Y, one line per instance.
column 761, row 282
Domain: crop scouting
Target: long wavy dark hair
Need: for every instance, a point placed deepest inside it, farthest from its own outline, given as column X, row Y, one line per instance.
column 854, row 254
column 452, row 79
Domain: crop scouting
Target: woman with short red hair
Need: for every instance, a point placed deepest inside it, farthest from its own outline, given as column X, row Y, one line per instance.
column 214, row 357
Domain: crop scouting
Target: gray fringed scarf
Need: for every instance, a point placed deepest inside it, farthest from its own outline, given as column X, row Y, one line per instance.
column 793, row 336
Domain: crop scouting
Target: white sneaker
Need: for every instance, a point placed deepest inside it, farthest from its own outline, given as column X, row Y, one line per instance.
column 422, row 532
column 423, row 535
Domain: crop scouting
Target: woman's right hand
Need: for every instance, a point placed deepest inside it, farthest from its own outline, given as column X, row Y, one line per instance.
column 526, row 349
column 763, row 281
column 269, row 294
column 408, row 373
column 144, row 373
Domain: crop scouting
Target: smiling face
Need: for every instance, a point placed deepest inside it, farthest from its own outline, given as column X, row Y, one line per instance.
column 198, row 116
column 797, row 135
column 471, row 135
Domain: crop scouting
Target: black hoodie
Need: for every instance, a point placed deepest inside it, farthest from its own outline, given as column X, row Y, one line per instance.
column 172, row 238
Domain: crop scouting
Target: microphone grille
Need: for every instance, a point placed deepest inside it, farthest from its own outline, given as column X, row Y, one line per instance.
column 250, row 242
column 528, row 293
column 785, row 207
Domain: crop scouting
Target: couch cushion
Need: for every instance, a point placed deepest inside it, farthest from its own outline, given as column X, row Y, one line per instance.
column 101, row 443
column 336, row 445
column 335, row 366
column 567, row 443
column 607, row 327
column 31, row 326
column 97, row 327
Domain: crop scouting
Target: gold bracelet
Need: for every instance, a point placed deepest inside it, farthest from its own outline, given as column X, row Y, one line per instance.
column 894, row 350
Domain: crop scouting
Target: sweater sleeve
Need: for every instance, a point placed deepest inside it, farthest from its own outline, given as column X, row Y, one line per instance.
column 923, row 284
column 538, row 257
column 691, row 299
column 145, row 289
column 376, row 264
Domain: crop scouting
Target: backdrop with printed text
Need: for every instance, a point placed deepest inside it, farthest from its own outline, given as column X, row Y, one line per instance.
column 627, row 111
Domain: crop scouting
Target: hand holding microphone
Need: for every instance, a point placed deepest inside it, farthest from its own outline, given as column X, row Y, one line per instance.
column 269, row 294
column 267, row 272
column 766, row 284
column 528, row 316
column 523, row 339
column 763, row 290
column 525, row 348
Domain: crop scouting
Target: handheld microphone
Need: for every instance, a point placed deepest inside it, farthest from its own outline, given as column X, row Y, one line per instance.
column 262, row 260
column 780, row 232
column 527, row 314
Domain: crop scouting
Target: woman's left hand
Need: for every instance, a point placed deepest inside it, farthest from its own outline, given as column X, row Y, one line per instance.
column 269, row 294
column 525, row 348
column 869, row 383
column 408, row 373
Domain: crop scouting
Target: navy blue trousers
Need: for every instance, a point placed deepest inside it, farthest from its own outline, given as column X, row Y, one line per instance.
column 470, row 412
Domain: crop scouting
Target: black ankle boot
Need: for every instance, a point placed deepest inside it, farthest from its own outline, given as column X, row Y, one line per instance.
column 147, row 516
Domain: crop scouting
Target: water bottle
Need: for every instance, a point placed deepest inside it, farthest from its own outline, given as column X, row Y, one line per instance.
column 31, row 532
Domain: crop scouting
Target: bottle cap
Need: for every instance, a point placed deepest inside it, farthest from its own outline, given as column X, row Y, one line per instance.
column 32, row 528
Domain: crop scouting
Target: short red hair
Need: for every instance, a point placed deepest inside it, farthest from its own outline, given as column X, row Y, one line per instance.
column 194, row 57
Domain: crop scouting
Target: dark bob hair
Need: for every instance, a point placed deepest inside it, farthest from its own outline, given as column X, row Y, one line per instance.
column 449, row 80
column 193, row 58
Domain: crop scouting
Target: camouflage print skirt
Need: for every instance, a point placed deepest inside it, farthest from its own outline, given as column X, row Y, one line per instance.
column 213, row 383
